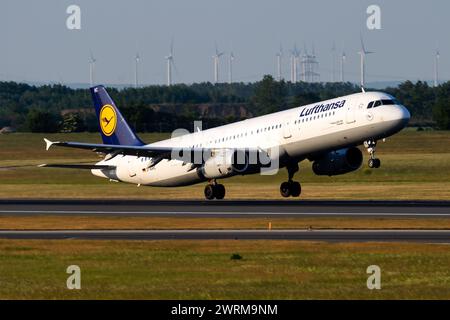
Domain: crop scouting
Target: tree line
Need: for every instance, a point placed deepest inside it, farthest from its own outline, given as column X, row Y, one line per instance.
column 58, row 108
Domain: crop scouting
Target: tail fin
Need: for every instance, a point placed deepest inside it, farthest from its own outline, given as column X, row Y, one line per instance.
column 113, row 127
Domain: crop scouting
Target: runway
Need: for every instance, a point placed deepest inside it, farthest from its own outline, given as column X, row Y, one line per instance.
column 231, row 209
column 228, row 209
column 428, row 236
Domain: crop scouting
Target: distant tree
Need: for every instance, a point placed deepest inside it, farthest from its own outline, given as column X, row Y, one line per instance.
column 42, row 121
column 270, row 95
column 161, row 108
column 305, row 98
column 441, row 110
column 72, row 122
column 419, row 98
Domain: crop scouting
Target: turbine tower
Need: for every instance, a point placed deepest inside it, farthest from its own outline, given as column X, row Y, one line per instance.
column 436, row 68
column 343, row 58
column 295, row 56
column 136, row 60
column 333, row 57
column 363, row 54
column 169, row 59
column 279, row 56
column 216, row 58
column 230, row 67
column 92, row 61
column 292, row 67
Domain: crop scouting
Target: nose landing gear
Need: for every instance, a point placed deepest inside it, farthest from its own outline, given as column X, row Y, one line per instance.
column 371, row 145
column 291, row 188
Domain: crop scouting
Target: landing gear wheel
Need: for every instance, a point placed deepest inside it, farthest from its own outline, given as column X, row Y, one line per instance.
column 377, row 163
column 290, row 189
column 219, row 190
column 285, row 189
column 216, row 191
column 209, row 192
column 374, row 163
column 371, row 148
column 296, row 189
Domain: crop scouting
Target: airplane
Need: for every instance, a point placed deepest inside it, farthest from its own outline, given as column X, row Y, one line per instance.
column 327, row 133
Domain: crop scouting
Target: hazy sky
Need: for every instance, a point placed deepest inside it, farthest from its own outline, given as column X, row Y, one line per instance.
column 37, row 46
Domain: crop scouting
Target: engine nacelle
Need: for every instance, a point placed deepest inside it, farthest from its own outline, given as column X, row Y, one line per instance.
column 224, row 163
column 338, row 162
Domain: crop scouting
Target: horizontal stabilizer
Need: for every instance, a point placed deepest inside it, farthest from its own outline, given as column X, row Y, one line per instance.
column 77, row 166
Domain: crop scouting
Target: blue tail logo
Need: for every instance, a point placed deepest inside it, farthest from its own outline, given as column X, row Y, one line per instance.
column 113, row 127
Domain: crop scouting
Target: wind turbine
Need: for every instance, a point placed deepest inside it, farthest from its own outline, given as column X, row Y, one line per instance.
column 230, row 67
column 216, row 58
column 343, row 58
column 92, row 61
column 295, row 54
column 363, row 54
column 436, row 68
column 333, row 57
column 136, row 59
column 169, row 59
column 279, row 55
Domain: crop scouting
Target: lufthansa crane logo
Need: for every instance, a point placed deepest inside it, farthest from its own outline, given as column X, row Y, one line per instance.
column 108, row 120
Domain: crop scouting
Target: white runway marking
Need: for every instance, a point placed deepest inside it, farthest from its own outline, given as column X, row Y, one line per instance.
column 224, row 213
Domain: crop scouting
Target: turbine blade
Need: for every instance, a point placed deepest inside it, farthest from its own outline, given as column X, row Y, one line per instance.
column 363, row 49
column 91, row 56
column 174, row 67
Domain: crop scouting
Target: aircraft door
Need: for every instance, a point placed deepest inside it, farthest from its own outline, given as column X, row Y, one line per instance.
column 287, row 129
column 350, row 113
column 131, row 167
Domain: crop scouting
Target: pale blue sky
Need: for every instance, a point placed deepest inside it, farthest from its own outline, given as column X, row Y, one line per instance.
column 37, row 46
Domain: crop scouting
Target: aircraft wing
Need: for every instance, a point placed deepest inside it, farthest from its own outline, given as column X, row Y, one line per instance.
column 142, row 151
column 77, row 166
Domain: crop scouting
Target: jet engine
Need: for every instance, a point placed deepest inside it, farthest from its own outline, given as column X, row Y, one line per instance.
column 338, row 162
column 224, row 163
column 227, row 162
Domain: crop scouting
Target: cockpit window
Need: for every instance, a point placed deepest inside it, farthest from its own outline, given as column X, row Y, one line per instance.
column 384, row 102
column 388, row 102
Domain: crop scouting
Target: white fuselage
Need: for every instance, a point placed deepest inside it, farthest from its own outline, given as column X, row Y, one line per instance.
column 299, row 133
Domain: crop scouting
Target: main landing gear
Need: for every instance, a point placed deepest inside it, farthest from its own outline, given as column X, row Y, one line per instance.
column 291, row 188
column 371, row 147
column 213, row 190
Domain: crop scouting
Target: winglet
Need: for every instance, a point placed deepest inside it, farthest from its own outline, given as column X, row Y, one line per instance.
column 48, row 144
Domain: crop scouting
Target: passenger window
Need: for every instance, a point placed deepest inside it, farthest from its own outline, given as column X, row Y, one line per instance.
column 370, row 105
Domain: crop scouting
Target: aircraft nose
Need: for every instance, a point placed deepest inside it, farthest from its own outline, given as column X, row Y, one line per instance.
column 404, row 113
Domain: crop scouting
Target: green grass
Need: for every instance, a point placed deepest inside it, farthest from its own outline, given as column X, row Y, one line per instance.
column 415, row 165
column 204, row 270
column 93, row 222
